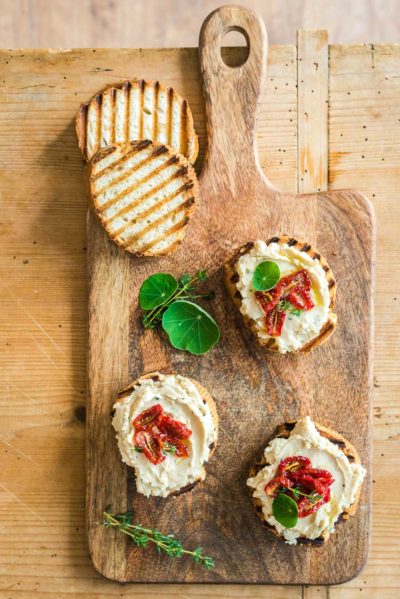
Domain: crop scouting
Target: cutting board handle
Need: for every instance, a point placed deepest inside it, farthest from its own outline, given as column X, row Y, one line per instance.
column 232, row 93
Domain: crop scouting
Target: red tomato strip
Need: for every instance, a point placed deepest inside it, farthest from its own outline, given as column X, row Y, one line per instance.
column 309, row 487
column 294, row 289
column 157, row 434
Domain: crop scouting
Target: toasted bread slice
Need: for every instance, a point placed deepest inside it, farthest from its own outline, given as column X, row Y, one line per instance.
column 144, row 194
column 283, row 431
column 231, row 278
column 207, row 399
column 136, row 110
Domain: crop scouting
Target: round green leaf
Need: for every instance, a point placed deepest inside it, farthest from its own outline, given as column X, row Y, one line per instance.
column 156, row 290
column 285, row 510
column 266, row 276
column 190, row 327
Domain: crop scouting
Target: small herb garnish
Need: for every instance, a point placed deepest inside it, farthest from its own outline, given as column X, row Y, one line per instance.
column 286, row 306
column 138, row 449
column 166, row 302
column 141, row 536
column 285, row 510
column 169, row 448
column 266, row 276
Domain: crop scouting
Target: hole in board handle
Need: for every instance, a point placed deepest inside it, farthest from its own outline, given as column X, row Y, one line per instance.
column 236, row 48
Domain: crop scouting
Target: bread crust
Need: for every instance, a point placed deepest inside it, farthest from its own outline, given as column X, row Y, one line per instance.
column 283, row 431
column 182, row 166
column 207, row 399
column 81, row 117
column 231, row 277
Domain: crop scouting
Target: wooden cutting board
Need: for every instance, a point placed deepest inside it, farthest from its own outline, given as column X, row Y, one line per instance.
column 254, row 390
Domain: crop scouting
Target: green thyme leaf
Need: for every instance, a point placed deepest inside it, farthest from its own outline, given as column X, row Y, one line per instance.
column 285, row 510
column 164, row 543
column 156, row 290
column 266, row 276
column 185, row 279
column 201, row 275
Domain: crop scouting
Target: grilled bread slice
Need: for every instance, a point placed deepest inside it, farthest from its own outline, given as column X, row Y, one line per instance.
column 283, row 431
column 206, row 398
column 136, row 110
column 232, row 277
column 144, row 194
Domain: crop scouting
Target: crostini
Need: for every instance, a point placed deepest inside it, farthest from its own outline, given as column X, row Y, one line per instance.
column 136, row 110
column 144, row 194
column 285, row 291
column 307, row 481
column 167, row 430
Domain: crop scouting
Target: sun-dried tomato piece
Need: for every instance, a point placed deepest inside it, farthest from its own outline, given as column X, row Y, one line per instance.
column 300, row 299
column 173, row 428
column 276, row 483
column 298, row 279
column 267, row 299
column 294, row 289
column 148, row 443
column 293, row 463
column 308, row 487
column 307, row 506
column 274, row 320
column 323, row 475
column 148, row 418
column 173, row 446
column 308, row 482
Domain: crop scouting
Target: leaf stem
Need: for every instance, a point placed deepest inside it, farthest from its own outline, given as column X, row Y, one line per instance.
column 153, row 314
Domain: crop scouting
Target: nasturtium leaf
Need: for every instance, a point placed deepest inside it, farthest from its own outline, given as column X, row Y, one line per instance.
column 189, row 327
column 266, row 276
column 156, row 290
column 285, row 510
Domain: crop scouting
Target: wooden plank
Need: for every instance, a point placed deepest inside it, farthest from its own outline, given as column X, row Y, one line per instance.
column 42, row 417
column 312, row 110
column 312, row 138
column 364, row 124
column 231, row 178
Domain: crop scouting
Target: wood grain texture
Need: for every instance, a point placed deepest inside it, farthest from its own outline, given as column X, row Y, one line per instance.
column 254, row 390
column 312, row 110
column 43, row 550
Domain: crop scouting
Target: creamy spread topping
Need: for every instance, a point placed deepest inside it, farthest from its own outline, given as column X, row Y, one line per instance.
column 305, row 440
column 302, row 326
column 180, row 399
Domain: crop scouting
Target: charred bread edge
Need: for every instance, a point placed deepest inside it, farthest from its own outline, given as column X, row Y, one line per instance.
column 232, row 277
column 181, row 162
column 81, row 117
column 206, row 397
column 283, row 431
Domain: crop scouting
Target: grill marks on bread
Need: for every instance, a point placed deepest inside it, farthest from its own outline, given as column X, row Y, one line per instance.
column 136, row 110
column 144, row 194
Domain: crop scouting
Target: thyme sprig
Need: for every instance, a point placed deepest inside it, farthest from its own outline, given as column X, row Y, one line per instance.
column 314, row 497
column 184, row 291
column 141, row 536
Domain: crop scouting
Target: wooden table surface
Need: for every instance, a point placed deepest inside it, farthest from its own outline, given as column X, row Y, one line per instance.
column 43, row 550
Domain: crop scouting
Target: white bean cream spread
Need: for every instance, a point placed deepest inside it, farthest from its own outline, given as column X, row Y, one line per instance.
column 311, row 472
column 296, row 309
column 164, row 431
